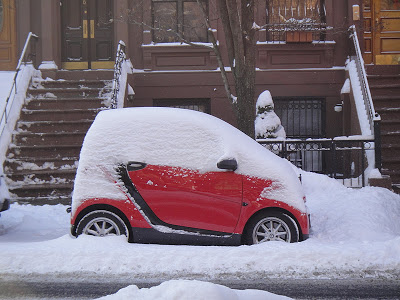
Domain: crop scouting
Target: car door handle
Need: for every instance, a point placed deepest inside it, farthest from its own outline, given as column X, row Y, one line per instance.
column 135, row 166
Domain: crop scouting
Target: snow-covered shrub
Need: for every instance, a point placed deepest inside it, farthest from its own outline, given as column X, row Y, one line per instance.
column 267, row 123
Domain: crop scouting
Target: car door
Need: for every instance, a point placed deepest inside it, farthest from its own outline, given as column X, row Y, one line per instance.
column 189, row 198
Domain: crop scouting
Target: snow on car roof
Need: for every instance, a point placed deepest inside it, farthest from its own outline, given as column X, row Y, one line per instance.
column 172, row 137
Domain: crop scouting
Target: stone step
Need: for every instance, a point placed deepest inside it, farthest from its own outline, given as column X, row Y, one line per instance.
column 383, row 79
column 394, row 175
column 54, row 126
column 45, row 200
column 17, row 178
column 391, row 137
column 68, row 93
column 385, row 90
column 39, row 163
column 85, row 75
column 58, row 114
column 389, row 113
column 390, row 125
column 386, row 101
column 99, row 84
column 54, row 152
column 42, row 191
column 42, row 139
column 67, row 103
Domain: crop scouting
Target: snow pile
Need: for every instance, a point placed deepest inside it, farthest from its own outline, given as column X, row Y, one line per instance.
column 190, row 289
column 354, row 234
column 267, row 123
column 172, row 137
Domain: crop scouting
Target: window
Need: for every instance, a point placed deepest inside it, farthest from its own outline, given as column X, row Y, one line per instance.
column 301, row 117
column 202, row 105
column 285, row 15
column 174, row 18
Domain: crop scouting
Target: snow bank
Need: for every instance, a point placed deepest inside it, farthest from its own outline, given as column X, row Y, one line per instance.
column 172, row 137
column 354, row 234
column 190, row 289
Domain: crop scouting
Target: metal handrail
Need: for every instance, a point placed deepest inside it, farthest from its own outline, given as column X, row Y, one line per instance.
column 119, row 59
column 21, row 60
column 369, row 105
column 373, row 117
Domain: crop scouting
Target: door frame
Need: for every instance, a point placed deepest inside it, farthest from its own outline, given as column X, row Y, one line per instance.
column 88, row 42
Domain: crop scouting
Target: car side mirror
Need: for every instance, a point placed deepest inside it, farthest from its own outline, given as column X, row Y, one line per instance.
column 228, row 164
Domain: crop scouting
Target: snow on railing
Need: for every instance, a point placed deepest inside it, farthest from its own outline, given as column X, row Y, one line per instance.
column 373, row 117
column 362, row 75
column 13, row 89
column 122, row 67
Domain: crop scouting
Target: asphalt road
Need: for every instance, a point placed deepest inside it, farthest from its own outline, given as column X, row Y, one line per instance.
column 295, row 288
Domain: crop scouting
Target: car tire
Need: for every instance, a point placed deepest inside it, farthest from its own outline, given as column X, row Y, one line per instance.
column 271, row 226
column 102, row 223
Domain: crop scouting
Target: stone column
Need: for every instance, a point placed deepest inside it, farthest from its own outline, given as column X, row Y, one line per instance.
column 50, row 34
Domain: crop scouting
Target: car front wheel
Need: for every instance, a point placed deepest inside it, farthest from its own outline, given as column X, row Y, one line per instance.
column 102, row 223
column 271, row 226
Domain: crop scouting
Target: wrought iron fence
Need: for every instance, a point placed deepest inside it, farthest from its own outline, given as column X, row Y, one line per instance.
column 345, row 159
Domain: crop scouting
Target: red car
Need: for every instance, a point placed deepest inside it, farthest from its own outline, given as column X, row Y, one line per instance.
column 162, row 175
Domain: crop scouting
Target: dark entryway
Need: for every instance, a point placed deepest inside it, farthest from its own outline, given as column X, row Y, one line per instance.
column 87, row 34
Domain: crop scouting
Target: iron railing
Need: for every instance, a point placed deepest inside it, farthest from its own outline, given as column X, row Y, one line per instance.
column 119, row 60
column 345, row 159
column 28, row 55
column 373, row 117
column 288, row 16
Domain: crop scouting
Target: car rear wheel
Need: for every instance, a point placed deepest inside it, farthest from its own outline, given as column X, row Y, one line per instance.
column 271, row 226
column 102, row 223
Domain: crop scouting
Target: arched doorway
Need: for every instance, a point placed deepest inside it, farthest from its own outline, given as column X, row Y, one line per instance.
column 8, row 51
column 382, row 32
column 87, row 34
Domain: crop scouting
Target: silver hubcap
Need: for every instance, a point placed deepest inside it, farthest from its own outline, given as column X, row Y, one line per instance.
column 101, row 227
column 271, row 229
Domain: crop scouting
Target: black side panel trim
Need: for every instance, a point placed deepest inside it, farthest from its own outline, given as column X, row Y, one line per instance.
column 135, row 195
column 152, row 236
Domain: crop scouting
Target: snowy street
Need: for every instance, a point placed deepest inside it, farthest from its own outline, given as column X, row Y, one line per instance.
column 355, row 235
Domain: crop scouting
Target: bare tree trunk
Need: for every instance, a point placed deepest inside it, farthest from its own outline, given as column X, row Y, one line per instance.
column 237, row 17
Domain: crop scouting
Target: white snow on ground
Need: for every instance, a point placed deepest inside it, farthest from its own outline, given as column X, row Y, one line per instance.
column 355, row 234
column 190, row 289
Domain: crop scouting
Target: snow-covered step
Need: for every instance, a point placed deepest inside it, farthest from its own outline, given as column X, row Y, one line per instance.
column 54, row 126
column 51, row 151
column 58, row 114
column 67, row 103
column 39, row 163
column 49, row 138
column 18, row 178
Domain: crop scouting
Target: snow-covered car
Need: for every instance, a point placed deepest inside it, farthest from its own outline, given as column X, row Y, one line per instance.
column 175, row 176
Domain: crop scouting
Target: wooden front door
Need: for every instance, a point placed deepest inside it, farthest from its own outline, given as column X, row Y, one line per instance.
column 87, row 31
column 382, row 32
column 8, row 50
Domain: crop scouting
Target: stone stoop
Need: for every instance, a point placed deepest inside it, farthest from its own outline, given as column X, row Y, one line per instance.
column 384, row 82
column 42, row 159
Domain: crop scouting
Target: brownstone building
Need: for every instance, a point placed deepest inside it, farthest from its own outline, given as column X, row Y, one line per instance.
column 305, row 71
